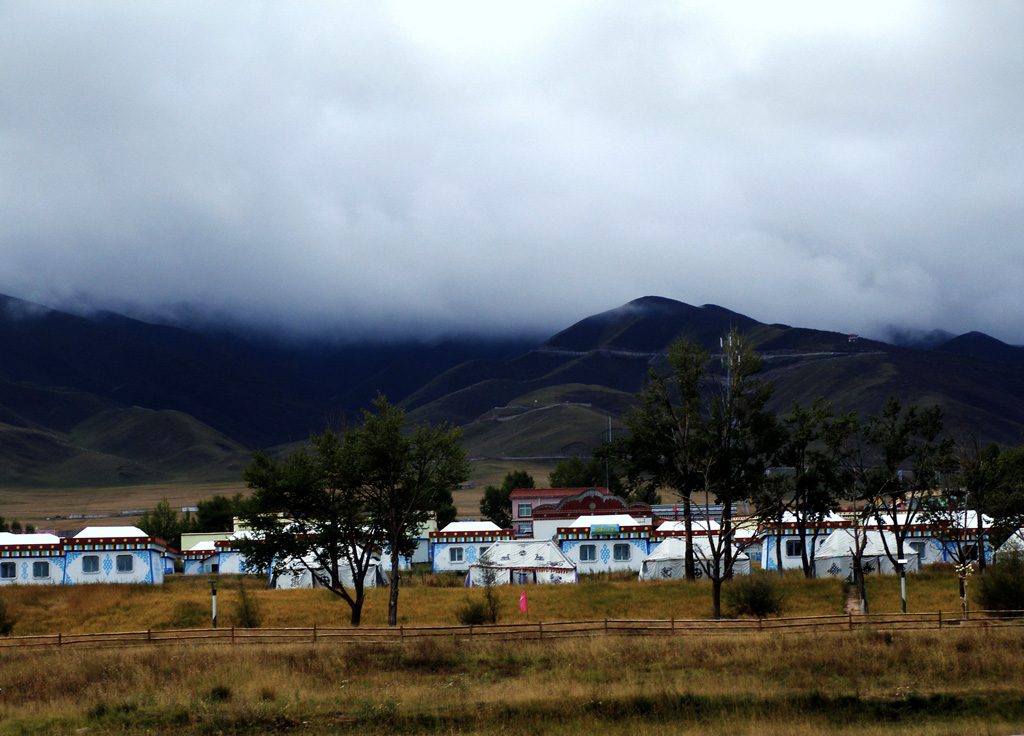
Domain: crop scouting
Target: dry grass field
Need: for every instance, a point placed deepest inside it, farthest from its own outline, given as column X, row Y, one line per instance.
column 862, row 682
column 49, row 508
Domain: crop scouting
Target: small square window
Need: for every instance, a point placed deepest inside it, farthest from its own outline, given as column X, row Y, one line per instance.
column 40, row 569
column 525, row 510
column 620, row 552
column 794, row 547
column 125, row 563
column 91, row 563
column 455, row 554
column 588, row 553
column 8, row 570
column 918, row 547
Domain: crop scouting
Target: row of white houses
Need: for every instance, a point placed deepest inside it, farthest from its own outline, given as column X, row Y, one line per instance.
column 652, row 548
column 94, row 555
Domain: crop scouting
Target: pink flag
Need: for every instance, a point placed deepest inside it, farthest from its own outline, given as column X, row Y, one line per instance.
column 522, row 602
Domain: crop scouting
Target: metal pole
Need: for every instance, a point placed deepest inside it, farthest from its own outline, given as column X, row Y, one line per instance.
column 213, row 589
column 903, row 582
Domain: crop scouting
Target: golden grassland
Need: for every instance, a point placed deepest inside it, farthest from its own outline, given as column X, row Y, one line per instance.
column 950, row 682
column 432, row 600
column 864, row 682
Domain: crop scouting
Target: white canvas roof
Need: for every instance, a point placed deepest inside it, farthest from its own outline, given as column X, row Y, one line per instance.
column 698, row 525
column 521, row 562
column 619, row 519
column 105, row 532
column 11, row 538
column 472, row 526
column 1013, row 543
column 666, row 560
column 840, row 543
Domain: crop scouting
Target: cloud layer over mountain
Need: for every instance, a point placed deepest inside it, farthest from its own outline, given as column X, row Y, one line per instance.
column 408, row 166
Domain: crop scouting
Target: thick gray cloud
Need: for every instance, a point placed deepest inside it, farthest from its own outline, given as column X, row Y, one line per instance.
column 432, row 166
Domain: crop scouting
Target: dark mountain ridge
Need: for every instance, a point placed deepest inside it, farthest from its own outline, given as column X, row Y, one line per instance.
column 128, row 400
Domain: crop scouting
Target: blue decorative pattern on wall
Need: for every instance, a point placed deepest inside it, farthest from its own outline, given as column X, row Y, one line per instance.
column 24, row 571
column 108, row 564
column 471, row 554
column 606, row 554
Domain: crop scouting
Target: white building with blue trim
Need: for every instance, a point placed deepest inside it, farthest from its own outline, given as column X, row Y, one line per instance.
column 94, row 555
column 462, row 543
column 605, row 543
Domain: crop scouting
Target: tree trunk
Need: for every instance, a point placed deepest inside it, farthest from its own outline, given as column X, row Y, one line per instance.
column 393, row 595
column 691, row 567
column 862, row 591
column 778, row 547
column 716, row 596
column 357, row 608
column 980, row 544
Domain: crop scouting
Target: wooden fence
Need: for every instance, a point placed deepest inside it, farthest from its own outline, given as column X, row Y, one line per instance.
column 525, row 631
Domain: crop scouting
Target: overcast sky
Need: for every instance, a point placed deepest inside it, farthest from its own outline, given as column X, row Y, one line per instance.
column 433, row 166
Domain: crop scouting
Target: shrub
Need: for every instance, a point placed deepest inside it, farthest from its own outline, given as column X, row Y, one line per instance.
column 473, row 613
column 247, row 609
column 7, row 619
column 753, row 595
column 1001, row 588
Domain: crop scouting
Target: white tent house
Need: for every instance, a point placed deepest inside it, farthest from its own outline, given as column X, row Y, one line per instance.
column 519, row 562
column 667, row 560
column 113, row 554
column 787, row 537
column 31, row 559
column 308, row 573
column 606, row 543
column 932, row 543
column 1013, row 544
column 835, row 555
column 461, row 543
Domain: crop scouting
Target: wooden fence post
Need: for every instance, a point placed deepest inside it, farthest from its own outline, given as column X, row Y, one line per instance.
column 850, row 615
column 232, row 634
column 673, row 624
column 59, row 639
column 314, row 633
column 940, row 620
column 540, row 628
column 401, row 632
column 149, row 635
column 606, row 626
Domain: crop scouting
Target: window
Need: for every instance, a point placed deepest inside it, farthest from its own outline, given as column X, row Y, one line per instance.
column 526, row 528
column 125, row 563
column 620, row 552
column 455, row 554
column 588, row 553
column 918, row 547
column 40, row 569
column 8, row 570
column 794, row 547
column 483, row 551
column 525, row 510
column 91, row 563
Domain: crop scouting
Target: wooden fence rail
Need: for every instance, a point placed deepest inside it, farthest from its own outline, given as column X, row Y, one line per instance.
column 526, row 631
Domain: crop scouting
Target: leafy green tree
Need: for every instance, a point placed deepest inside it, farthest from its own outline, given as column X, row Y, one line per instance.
column 810, row 488
column 908, row 456
column 217, row 514
column 310, row 510
column 706, row 433
column 496, row 504
column 402, row 476
column 163, row 522
column 594, row 473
